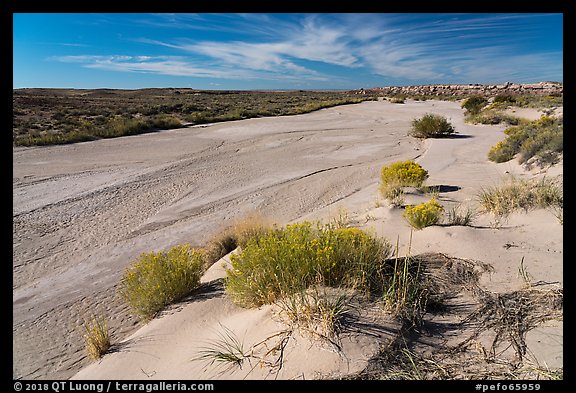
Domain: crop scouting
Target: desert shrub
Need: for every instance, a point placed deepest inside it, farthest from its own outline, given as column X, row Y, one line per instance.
column 126, row 126
column 474, row 104
column 291, row 259
column 431, row 126
column 501, row 152
column 398, row 99
column 423, row 215
column 504, row 98
column 541, row 139
column 400, row 174
column 518, row 194
column 157, row 279
column 249, row 227
column 73, row 136
column 165, row 122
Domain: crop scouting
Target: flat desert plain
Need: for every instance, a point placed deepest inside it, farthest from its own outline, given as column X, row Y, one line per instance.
column 83, row 212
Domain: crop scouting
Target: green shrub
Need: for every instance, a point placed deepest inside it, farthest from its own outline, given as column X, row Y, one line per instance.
column 431, row 126
column 291, row 259
column 423, row 215
column 165, row 122
column 474, row 104
column 158, row 279
column 504, row 98
column 501, row 152
column 400, row 174
column 541, row 139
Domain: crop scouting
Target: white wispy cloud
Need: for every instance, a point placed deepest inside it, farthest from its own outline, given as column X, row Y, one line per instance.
column 437, row 48
column 163, row 65
column 167, row 65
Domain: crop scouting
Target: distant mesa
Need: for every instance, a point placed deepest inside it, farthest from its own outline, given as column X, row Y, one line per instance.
column 540, row 88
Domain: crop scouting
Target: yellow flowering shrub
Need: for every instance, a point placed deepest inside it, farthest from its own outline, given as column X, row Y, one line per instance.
column 157, row 279
column 423, row 215
column 401, row 174
column 290, row 259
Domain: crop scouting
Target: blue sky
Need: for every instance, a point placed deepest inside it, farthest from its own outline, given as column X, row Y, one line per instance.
column 283, row 51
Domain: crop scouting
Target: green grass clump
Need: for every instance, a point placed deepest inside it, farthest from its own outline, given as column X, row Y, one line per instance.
column 504, row 98
column 423, row 215
column 158, row 279
column 288, row 260
column 431, row 126
column 541, row 140
column 400, row 174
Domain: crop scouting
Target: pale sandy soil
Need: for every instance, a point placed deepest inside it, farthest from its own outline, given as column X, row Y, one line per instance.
column 532, row 113
column 83, row 212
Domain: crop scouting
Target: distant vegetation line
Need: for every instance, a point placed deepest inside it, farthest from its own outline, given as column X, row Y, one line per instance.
column 61, row 116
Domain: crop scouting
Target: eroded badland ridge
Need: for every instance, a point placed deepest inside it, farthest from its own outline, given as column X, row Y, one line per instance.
column 540, row 88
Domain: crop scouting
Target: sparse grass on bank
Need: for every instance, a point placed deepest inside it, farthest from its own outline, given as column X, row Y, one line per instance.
column 479, row 111
column 157, row 279
column 236, row 235
column 112, row 128
column 491, row 117
column 517, row 194
column 540, row 141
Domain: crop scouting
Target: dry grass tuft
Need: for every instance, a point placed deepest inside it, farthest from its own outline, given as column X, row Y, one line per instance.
column 512, row 315
column 96, row 336
column 519, row 194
